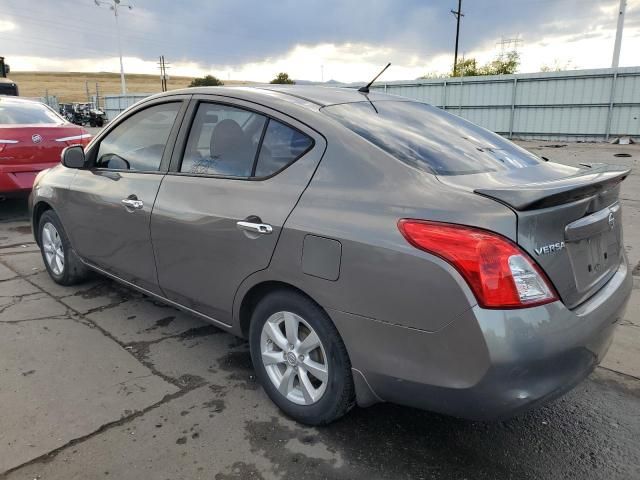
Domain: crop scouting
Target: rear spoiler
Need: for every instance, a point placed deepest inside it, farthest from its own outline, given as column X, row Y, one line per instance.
column 588, row 182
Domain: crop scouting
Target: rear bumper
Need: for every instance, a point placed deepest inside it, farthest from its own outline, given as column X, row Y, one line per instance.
column 487, row 364
column 19, row 178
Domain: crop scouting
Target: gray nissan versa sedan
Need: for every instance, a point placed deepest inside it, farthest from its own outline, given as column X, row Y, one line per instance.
column 370, row 248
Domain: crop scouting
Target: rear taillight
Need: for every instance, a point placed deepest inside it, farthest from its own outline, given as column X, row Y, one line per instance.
column 499, row 273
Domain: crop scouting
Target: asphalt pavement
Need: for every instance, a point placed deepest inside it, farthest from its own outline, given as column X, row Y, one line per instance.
column 98, row 381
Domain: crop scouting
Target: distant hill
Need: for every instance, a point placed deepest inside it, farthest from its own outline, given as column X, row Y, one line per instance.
column 70, row 86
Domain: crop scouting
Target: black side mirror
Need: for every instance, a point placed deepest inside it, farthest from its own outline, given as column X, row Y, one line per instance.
column 73, row 157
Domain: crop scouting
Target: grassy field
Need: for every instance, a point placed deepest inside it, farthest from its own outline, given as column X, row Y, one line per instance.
column 70, row 86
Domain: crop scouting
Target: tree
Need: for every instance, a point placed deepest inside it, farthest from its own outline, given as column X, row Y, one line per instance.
column 501, row 65
column 207, row 81
column 433, row 76
column 467, row 68
column 283, row 78
column 558, row 66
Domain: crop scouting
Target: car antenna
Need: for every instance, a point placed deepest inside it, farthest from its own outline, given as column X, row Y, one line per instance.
column 366, row 89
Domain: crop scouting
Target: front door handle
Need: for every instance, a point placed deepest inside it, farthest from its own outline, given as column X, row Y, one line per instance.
column 261, row 228
column 132, row 203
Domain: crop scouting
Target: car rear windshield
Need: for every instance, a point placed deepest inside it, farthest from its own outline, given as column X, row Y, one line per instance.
column 13, row 113
column 429, row 138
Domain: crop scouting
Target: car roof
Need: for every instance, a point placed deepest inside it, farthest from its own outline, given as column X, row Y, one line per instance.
column 313, row 96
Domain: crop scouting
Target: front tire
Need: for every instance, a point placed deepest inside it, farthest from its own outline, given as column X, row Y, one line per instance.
column 62, row 263
column 300, row 359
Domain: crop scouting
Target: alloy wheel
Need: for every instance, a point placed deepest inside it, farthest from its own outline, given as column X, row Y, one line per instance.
column 52, row 247
column 294, row 358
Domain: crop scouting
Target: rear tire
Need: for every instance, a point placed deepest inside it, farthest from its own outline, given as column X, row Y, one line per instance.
column 62, row 263
column 305, row 371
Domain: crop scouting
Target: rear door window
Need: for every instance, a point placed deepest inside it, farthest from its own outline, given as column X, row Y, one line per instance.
column 429, row 138
column 223, row 140
column 282, row 145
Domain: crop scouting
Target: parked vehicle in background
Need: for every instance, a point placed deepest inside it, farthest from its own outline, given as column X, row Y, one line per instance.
column 83, row 114
column 7, row 86
column 32, row 136
column 370, row 248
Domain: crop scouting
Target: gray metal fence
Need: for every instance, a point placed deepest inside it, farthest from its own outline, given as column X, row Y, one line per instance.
column 578, row 105
column 588, row 105
column 114, row 104
column 50, row 100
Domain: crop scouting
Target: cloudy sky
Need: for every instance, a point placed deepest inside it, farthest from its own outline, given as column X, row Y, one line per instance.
column 346, row 40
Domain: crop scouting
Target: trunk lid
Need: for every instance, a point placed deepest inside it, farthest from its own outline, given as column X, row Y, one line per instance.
column 569, row 220
column 27, row 144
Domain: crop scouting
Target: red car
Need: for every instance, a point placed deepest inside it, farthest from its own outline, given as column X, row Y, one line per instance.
column 32, row 136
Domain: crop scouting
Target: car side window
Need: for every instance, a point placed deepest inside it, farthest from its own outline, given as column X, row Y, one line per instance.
column 223, row 140
column 282, row 145
column 138, row 142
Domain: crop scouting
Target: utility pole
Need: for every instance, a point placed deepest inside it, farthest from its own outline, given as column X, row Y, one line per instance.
column 114, row 5
column 458, row 14
column 618, row 44
column 161, row 66
column 163, row 73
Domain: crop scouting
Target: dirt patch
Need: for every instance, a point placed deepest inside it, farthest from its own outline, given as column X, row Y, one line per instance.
column 200, row 332
column 111, row 289
column 190, row 382
column 24, row 229
column 214, row 406
column 240, row 368
column 163, row 322
column 636, row 270
column 242, row 471
column 271, row 438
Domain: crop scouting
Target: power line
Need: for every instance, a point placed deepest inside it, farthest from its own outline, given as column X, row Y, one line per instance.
column 509, row 45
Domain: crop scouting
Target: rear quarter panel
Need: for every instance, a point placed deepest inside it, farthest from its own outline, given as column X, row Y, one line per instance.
column 356, row 197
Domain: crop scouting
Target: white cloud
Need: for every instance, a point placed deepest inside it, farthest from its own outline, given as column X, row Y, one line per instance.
column 350, row 62
column 7, row 26
column 347, row 63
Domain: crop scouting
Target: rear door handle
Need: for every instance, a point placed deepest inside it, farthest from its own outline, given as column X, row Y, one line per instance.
column 261, row 228
column 133, row 203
